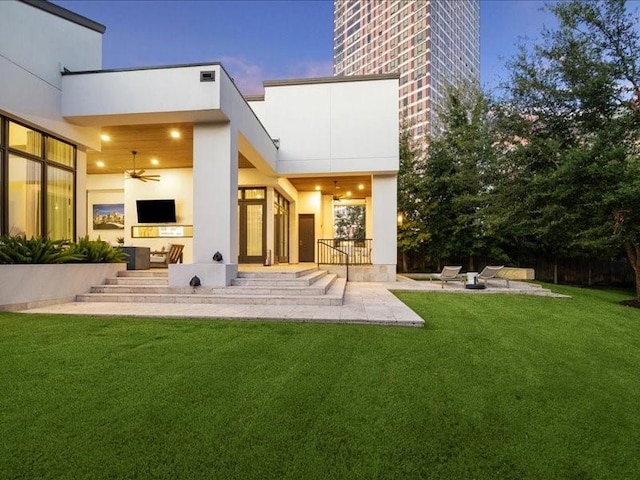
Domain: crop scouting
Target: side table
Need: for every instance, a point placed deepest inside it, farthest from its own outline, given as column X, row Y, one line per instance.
column 138, row 257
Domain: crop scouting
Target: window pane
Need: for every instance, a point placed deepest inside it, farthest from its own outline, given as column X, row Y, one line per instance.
column 59, row 204
column 254, row 230
column 24, row 197
column 25, row 139
column 250, row 193
column 349, row 222
column 59, row 152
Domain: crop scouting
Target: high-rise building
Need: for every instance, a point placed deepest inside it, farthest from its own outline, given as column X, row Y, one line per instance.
column 430, row 43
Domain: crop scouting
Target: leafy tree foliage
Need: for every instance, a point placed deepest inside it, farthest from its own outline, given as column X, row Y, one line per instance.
column 412, row 233
column 350, row 222
column 570, row 135
column 457, row 173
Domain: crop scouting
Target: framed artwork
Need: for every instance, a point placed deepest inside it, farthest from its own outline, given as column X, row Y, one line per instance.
column 108, row 216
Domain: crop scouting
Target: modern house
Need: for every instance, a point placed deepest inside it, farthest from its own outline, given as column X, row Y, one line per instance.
column 308, row 170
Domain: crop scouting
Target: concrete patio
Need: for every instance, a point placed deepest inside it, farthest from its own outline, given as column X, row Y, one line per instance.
column 365, row 303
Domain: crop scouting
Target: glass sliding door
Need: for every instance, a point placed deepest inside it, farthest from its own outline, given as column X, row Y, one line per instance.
column 281, row 228
column 254, row 214
column 252, row 225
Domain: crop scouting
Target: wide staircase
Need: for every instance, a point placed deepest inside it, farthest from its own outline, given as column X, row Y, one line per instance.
column 306, row 286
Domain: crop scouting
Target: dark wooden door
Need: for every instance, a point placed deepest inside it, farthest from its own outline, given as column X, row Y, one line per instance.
column 306, row 237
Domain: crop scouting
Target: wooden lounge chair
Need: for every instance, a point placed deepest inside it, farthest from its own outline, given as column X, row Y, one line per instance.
column 163, row 258
column 491, row 273
column 448, row 274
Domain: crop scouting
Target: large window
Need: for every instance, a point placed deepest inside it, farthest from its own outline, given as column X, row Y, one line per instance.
column 349, row 221
column 59, row 203
column 37, row 190
column 25, row 190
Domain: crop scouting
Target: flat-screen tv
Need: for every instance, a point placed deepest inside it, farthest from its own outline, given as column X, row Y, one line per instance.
column 156, row 211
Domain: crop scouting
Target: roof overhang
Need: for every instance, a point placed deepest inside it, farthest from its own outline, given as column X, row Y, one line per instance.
column 180, row 94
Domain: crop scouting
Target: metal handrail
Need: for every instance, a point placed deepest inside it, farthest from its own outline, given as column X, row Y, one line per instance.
column 321, row 257
column 359, row 250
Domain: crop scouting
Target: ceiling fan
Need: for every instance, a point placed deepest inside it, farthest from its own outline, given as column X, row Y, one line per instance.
column 139, row 174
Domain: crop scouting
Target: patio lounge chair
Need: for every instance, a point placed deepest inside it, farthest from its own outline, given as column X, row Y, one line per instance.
column 491, row 273
column 164, row 258
column 448, row 274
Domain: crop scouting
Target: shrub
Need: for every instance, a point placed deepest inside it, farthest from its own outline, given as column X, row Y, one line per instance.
column 97, row 251
column 17, row 249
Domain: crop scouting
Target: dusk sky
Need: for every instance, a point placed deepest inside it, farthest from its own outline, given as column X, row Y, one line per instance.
column 267, row 40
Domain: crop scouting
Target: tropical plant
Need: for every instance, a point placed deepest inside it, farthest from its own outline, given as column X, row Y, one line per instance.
column 17, row 249
column 97, row 251
column 21, row 250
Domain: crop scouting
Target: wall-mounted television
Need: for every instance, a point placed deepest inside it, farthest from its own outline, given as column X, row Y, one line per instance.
column 156, row 211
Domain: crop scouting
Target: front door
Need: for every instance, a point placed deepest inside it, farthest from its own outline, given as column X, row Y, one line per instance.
column 306, row 237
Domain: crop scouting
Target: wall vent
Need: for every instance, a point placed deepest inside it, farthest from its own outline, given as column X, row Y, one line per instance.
column 208, row 76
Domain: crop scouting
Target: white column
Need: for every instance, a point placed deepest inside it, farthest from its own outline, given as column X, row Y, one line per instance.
column 384, row 199
column 81, row 194
column 215, row 207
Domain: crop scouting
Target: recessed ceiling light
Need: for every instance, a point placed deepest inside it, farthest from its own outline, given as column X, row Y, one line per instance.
column 361, row 187
column 174, row 133
column 100, row 163
column 105, row 137
column 349, row 193
column 318, row 188
column 154, row 161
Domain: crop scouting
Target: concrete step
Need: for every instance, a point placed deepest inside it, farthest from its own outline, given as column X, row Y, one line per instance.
column 277, row 274
column 156, row 281
column 282, row 281
column 143, row 273
column 319, row 286
column 308, row 286
column 275, row 288
column 334, row 296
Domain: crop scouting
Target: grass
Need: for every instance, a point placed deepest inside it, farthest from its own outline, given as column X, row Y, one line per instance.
column 494, row 387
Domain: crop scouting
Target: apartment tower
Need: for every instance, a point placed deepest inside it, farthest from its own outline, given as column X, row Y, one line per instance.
column 430, row 43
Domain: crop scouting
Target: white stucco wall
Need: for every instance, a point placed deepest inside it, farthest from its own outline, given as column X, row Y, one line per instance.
column 34, row 48
column 50, row 284
column 174, row 184
column 334, row 127
column 385, row 217
column 154, row 95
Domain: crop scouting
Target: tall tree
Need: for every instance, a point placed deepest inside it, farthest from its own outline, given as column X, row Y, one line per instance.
column 577, row 130
column 456, row 177
column 412, row 233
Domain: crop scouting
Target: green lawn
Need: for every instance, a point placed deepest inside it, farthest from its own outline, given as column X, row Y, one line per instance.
column 494, row 387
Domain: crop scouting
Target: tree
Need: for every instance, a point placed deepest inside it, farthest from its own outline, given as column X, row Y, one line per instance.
column 456, row 172
column 573, row 127
column 412, row 233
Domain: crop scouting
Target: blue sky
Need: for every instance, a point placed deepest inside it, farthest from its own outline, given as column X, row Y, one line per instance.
column 260, row 40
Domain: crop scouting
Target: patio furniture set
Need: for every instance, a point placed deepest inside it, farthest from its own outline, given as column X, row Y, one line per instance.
column 471, row 280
